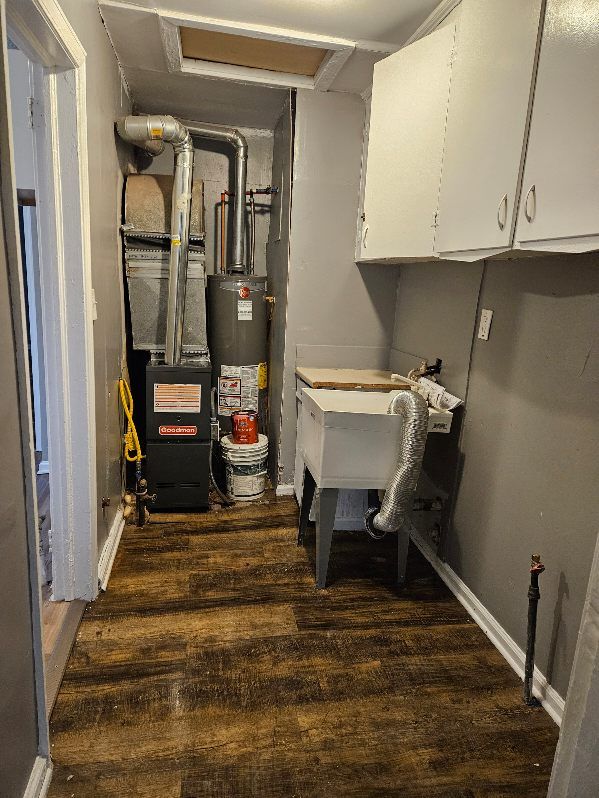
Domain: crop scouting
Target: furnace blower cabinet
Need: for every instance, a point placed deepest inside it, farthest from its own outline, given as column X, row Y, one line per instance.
column 164, row 239
column 178, row 435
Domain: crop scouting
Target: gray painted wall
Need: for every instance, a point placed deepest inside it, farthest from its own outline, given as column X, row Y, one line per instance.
column 331, row 301
column 435, row 316
column 214, row 164
column 18, row 714
column 108, row 160
column 528, row 465
column 277, row 265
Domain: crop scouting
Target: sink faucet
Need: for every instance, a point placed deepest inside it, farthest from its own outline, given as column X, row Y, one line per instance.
column 424, row 370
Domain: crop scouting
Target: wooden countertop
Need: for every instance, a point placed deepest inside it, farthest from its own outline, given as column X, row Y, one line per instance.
column 350, row 379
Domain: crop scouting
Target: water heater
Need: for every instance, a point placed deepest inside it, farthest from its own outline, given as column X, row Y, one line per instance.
column 237, row 314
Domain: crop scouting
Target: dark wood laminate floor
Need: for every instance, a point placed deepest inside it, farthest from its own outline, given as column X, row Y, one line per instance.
column 213, row 667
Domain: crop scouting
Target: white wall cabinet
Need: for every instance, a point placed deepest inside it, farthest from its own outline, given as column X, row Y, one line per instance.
column 405, row 149
column 508, row 159
column 490, row 96
column 559, row 209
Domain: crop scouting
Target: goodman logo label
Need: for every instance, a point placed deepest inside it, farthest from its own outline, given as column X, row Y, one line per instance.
column 177, row 430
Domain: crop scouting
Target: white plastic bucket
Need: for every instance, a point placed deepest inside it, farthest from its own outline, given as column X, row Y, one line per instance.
column 245, row 466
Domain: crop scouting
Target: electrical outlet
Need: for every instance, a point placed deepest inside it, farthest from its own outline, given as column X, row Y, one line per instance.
column 484, row 328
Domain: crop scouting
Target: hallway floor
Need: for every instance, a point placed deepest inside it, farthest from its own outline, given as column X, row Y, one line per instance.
column 213, row 667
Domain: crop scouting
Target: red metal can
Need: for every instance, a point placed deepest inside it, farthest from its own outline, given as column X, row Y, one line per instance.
column 245, row 427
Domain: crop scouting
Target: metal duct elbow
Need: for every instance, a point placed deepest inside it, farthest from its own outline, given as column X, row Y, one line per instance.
column 144, row 130
column 399, row 495
column 127, row 131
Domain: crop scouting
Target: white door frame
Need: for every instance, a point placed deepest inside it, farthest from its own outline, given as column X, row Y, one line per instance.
column 576, row 765
column 10, row 223
column 43, row 33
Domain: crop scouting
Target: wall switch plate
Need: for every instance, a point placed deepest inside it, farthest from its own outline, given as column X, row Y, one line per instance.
column 484, row 328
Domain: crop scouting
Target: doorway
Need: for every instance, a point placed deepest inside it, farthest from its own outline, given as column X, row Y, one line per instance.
column 49, row 149
column 21, row 94
column 45, row 200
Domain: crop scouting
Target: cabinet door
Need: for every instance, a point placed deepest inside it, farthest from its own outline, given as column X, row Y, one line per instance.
column 559, row 209
column 407, row 125
column 491, row 83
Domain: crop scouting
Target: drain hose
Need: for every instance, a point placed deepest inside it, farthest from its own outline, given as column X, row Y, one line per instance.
column 399, row 495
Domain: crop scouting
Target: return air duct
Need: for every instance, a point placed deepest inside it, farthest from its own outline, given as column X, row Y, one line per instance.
column 149, row 133
column 143, row 131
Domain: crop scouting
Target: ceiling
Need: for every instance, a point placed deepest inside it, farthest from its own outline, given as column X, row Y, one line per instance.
column 375, row 27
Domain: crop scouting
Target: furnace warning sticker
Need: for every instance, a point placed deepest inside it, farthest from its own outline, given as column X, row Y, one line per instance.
column 173, row 398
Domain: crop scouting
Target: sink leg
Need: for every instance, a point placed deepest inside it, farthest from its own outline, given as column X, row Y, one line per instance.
column 403, row 542
column 326, row 506
column 307, row 498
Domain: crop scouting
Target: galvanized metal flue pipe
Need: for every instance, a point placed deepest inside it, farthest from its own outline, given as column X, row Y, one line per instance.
column 234, row 137
column 534, row 594
column 143, row 132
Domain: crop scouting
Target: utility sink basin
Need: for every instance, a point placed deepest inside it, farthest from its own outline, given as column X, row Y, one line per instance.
column 348, row 440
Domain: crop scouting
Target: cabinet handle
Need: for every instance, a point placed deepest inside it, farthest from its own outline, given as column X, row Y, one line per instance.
column 364, row 235
column 531, row 202
column 502, row 212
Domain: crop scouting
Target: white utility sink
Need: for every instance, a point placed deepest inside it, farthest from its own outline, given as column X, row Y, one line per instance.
column 348, row 440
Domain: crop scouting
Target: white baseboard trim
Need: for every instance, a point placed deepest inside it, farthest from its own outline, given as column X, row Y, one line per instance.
column 110, row 549
column 40, row 778
column 43, row 467
column 285, row 490
column 551, row 700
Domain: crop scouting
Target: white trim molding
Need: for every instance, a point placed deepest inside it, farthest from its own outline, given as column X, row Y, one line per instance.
column 339, row 50
column 110, row 549
column 551, row 700
column 42, row 30
column 285, row 490
column 40, row 778
column 434, row 19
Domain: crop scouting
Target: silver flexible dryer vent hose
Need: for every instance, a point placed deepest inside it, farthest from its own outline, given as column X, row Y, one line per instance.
column 399, row 495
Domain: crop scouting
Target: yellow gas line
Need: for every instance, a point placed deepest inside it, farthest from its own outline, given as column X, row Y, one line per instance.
column 132, row 448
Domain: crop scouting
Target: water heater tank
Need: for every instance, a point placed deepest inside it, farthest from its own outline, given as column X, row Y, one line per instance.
column 237, row 314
